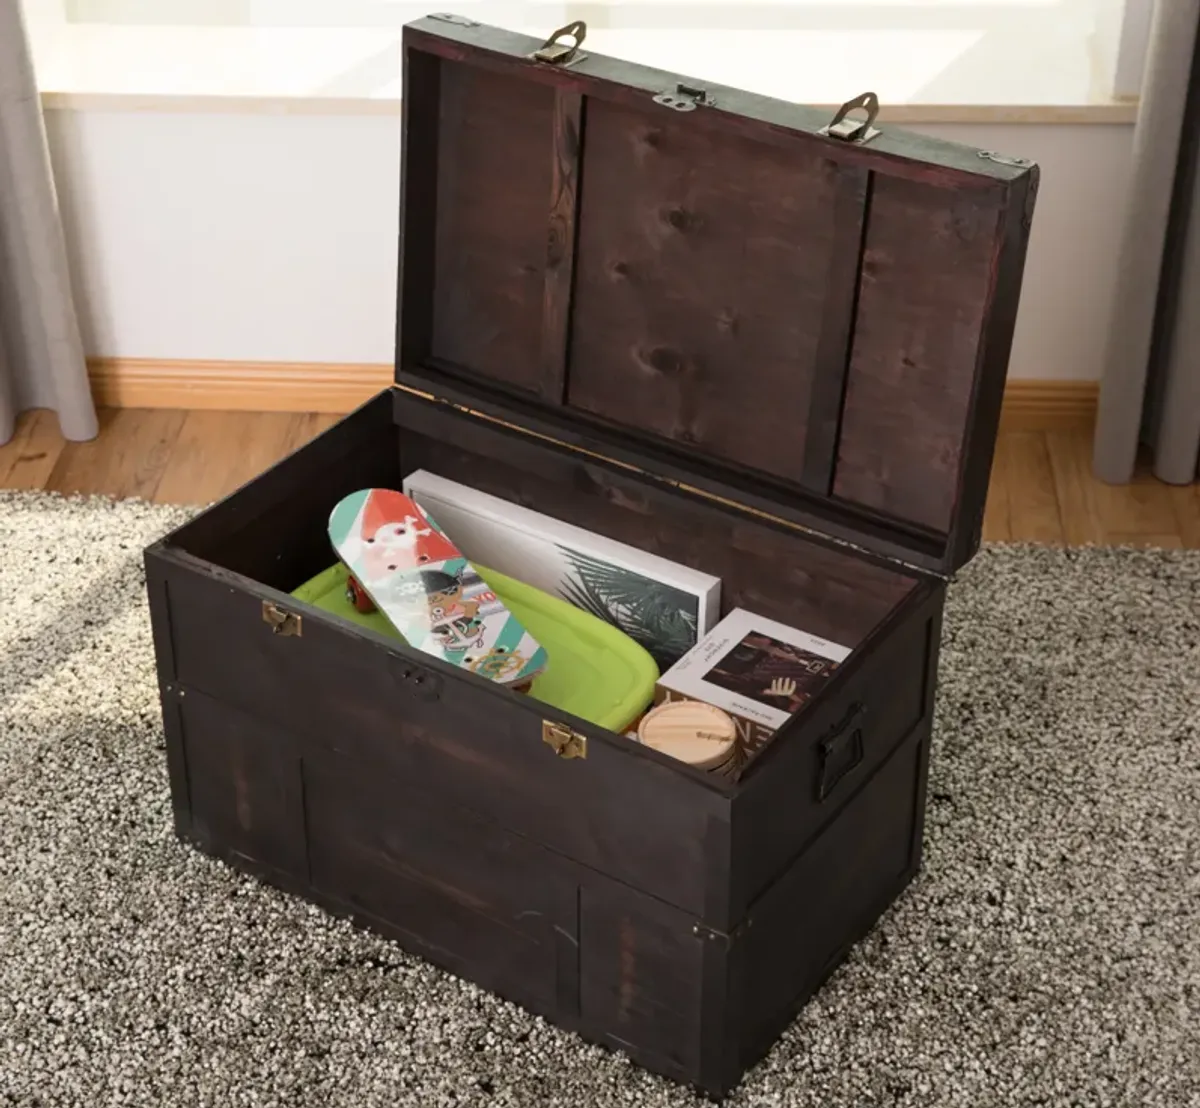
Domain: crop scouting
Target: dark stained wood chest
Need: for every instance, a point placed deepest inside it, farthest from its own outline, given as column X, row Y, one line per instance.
column 695, row 320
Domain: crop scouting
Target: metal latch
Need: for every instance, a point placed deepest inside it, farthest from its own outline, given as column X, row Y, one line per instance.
column 685, row 98
column 553, row 52
column 281, row 622
column 854, row 130
column 1005, row 159
column 564, row 742
column 457, row 20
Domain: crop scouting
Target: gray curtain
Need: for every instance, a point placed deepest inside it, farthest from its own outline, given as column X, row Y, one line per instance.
column 1150, row 389
column 41, row 353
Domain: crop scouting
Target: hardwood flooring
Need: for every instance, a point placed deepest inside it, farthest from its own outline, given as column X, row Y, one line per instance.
column 1042, row 486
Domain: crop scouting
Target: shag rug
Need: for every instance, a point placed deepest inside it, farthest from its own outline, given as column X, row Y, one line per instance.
column 1049, row 953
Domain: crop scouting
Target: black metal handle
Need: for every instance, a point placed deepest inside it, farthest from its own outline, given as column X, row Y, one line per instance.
column 840, row 750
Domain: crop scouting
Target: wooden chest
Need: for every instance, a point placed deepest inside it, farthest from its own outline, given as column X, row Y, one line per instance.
column 701, row 322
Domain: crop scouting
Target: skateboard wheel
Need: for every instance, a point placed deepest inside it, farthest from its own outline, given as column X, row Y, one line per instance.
column 358, row 597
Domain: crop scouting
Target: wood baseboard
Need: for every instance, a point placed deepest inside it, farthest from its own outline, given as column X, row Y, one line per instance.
column 1029, row 405
column 234, row 386
column 1049, row 405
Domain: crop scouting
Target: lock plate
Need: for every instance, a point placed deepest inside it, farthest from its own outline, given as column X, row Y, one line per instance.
column 684, row 98
column 563, row 741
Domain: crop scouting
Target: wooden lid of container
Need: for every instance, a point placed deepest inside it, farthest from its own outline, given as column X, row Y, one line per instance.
column 818, row 312
column 696, row 733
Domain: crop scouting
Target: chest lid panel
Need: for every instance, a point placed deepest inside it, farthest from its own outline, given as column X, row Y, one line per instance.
column 702, row 270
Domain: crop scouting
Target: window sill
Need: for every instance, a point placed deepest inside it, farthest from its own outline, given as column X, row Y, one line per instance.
column 920, row 76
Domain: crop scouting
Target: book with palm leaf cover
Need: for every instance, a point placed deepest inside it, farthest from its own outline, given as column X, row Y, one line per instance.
column 663, row 606
column 658, row 616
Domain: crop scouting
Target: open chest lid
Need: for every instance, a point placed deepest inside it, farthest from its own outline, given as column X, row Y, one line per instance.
column 817, row 311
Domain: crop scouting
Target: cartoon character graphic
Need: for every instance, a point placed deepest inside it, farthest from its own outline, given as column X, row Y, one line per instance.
column 439, row 597
column 402, row 565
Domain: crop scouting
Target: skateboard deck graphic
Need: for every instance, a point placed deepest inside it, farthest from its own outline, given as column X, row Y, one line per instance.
column 432, row 595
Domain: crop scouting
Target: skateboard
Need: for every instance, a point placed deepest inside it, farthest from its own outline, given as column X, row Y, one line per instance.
column 402, row 563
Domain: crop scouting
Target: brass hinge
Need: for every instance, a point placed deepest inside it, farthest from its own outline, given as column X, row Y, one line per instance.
column 563, row 741
column 684, row 98
column 553, row 52
column 854, row 130
column 1005, row 159
column 281, row 622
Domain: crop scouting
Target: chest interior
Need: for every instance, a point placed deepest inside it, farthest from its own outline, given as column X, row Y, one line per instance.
column 272, row 535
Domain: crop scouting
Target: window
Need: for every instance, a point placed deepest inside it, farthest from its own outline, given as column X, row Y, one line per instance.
column 1044, row 52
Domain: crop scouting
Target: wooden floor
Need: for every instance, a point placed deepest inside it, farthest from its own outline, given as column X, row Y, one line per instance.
column 1042, row 486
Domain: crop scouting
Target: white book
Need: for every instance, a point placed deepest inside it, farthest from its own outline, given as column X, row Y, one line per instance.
column 664, row 606
column 756, row 669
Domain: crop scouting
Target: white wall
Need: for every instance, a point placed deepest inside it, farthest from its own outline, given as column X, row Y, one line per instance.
column 44, row 19
column 273, row 237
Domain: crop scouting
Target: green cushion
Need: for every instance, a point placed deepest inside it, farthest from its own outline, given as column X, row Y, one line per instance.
column 596, row 671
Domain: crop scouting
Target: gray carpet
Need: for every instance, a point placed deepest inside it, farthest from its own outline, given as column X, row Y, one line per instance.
column 1049, row 954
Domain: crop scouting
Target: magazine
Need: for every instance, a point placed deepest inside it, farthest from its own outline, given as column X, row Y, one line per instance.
column 758, row 670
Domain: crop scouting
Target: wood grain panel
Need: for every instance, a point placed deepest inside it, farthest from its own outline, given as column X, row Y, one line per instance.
column 702, row 286
column 189, row 384
column 1139, row 513
column 126, row 459
column 29, row 457
column 481, row 899
column 560, row 246
column 419, row 164
column 244, row 786
column 1185, row 499
column 850, row 210
column 832, row 895
column 782, row 808
column 926, row 282
column 1034, row 515
column 495, row 169
column 1076, row 490
column 641, row 975
column 218, row 451
column 306, row 426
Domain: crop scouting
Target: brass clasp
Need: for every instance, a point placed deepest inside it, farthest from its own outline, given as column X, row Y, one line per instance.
column 554, row 52
column 854, row 130
column 281, row 622
column 563, row 741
